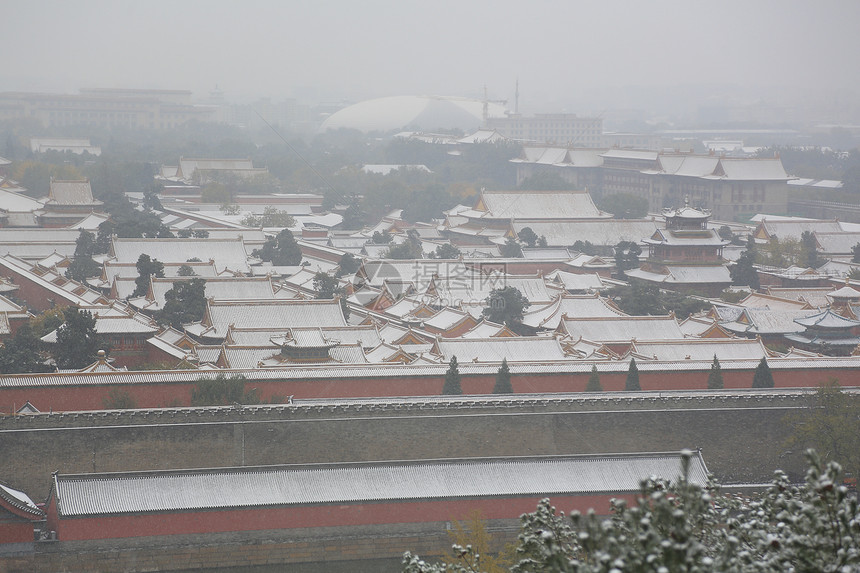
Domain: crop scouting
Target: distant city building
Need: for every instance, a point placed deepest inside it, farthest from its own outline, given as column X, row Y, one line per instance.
column 731, row 188
column 151, row 109
column 414, row 112
column 63, row 144
column 563, row 128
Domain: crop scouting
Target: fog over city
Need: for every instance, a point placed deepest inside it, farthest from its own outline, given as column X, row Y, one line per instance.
column 579, row 57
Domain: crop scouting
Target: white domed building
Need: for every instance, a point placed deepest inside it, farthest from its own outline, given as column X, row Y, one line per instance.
column 425, row 113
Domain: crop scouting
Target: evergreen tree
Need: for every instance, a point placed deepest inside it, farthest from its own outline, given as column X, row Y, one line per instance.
column 452, row 378
column 21, row 353
column 83, row 266
column 626, row 257
column 743, row 272
column 809, row 251
column 184, row 303
column 146, row 268
column 527, row 236
column 762, row 377
column 506, row 305
column 632, row 382
column 594, row 381
column 78, row 343
column 511, row 249
column 281, row 251
column 503, row 379
column 715, row 378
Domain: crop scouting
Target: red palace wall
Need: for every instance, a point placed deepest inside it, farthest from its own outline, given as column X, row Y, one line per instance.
column 38, row 298
column 20, row 531
column 92, row 397
column 329, row 515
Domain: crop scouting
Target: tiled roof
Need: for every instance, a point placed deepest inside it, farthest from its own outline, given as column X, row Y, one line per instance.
column 576, row 281
column 550, row 316
column 702, row 349
column 514, row 349
column 272, row 314
column 623, row 328
column 71, row 193
column 601, row 232
column 218, row 288
column 716, row 274
column 227, row 253
column 20, row 503
column 540, row 205
column 836, row 243
column 793, row 229
column 474, row 288
column 104, row 494
column 827, row 319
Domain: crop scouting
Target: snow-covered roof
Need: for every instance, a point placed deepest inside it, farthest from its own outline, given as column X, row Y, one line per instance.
column 550, row 316
column 248, row 487
column 538, row 205
column 514, row 349
column 71, row 193
column 623, row 328
column 598, row 232
column 701, row 349
column 227, row 253
column 220, row 315
column 680, row 274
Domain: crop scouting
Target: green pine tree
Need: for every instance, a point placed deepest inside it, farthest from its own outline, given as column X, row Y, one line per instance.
column 632, row 382
column 594, row 381
column 715, row 378
column 503, row 380
column 452, row 378
column 762, row 377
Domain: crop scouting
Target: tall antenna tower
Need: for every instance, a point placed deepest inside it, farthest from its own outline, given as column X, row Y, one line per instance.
column 486, row 105
column 517, row 98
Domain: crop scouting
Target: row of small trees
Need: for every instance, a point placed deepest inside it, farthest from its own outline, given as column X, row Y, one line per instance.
column 762, row 378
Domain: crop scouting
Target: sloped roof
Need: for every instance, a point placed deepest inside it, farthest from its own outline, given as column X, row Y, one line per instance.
column 846, row 292
column 227, row 253
column 828, row 320
column 514, row 349
column 71, row 193
column 539, row 205
column 550, row 316
column 758, row 300
column 704, row 237
column 275, row 313
column 785, row 229
column 702, row 349
column 10, row 201
column 681, row 274
column 160, row 491
column 688, row 165
column 486, row 329
column 623, row 328
column 816, row 297
column 747, row 169
column 764, row 321
column 600, row 232
column 218, row 288
column 837, row 243
column 19, row 503
column 474, row 288
column 576, row 281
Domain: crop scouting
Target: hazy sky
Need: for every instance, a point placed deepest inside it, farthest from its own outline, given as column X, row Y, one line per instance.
column 559, row 50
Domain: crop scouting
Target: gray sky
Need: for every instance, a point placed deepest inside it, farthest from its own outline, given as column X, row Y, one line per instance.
column 561, row 51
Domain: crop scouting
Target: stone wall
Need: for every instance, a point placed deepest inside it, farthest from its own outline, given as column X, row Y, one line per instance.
column 741, row 435
column 329, row 550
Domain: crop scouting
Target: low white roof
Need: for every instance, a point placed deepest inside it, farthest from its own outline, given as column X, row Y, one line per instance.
column 160, row 491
